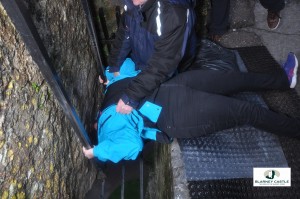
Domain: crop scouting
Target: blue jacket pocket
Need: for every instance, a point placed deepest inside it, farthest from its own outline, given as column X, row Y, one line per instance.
column 151, row 111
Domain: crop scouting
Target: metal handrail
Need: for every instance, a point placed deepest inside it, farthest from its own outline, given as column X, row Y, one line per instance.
column 123, row 180
column 92, row 31
column 141, row 177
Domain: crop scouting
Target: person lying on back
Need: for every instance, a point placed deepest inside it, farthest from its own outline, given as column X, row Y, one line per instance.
column 191, row 104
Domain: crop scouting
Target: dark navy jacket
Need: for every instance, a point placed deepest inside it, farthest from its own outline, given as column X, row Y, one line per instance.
column 160, row 38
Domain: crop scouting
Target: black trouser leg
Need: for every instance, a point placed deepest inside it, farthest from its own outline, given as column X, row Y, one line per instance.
column 273, row 5
column 219, row 17
column 191, row 113
column 228, row 82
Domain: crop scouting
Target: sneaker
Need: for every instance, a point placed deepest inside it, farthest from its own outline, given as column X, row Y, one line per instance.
column 290, row 67
column 273, row 19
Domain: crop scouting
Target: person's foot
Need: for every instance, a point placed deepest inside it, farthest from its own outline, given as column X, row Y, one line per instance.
column 273, row 19
column 290, row 67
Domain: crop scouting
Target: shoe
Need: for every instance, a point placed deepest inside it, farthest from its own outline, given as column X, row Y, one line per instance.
column 215, row 38
column 290, row 67
column 273, row 19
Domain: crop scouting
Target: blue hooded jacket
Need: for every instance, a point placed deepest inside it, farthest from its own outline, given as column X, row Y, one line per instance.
column 120, row 136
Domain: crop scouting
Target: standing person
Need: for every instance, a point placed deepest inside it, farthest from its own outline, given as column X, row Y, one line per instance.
column 219, row 16
column 219, row 19
column 190, row 104
column 159, row 37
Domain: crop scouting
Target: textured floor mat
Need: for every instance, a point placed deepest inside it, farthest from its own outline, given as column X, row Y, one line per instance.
column 231, row 153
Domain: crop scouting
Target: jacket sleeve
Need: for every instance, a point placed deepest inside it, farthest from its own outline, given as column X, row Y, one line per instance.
column 165, row 59
column 121, row 46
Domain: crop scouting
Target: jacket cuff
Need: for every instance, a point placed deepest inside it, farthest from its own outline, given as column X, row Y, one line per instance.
column 149, row 133
column 113, row 69
column 128, row 101
column 98, row 153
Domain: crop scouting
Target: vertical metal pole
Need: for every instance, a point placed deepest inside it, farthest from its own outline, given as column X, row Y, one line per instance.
column 141, row 177
column 101, row 176
column 123, row 180
column 102, row 189
column 104, row 27
column 92, row 31
column 118, row 15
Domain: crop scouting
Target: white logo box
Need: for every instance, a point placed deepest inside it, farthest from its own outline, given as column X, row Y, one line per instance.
column 271, row 177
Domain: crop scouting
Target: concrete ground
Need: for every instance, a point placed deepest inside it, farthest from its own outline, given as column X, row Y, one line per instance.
column 252, row 30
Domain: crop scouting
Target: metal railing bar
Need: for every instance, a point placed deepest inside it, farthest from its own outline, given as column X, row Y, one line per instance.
column 118, row 15
column 104, row 27
column 102, row 188
column 141, row 177
column 123, row 180
column 92, row 31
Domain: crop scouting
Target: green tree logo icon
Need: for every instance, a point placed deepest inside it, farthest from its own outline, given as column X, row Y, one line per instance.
column 270, row 174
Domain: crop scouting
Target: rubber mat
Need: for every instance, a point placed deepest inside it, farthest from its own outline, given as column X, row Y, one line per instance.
column 231, row 153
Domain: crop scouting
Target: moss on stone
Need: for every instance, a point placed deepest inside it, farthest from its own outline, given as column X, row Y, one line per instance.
column 5, row 195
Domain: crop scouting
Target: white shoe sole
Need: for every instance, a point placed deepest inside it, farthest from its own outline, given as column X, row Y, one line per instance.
column 294, row 78
column 276, row 26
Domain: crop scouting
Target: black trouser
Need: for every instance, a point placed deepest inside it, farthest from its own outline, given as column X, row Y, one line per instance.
column 219, row 17
column 194, row 104
column 273, row 5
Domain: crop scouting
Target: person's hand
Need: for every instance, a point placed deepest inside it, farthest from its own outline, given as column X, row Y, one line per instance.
column 95, row 125
column 123, row 108
column 89, row 153
column 102, row 82
column 115, row 74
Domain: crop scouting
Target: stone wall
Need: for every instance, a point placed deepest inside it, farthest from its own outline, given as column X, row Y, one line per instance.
column 40, row 155
column 160, row 184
